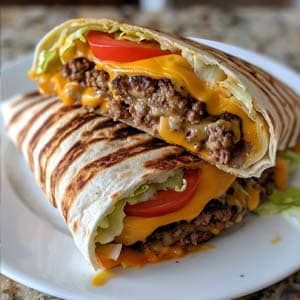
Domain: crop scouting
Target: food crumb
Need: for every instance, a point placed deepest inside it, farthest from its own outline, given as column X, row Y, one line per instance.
column 176, row 261
column 242, row 275
column 276, row 239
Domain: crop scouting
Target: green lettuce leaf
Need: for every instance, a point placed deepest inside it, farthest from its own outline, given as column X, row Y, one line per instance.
column 45, row 59
column 112, row 225
column 69, row 42
column 287, row 201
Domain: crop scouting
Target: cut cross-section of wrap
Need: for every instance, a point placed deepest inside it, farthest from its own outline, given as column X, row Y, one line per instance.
column 217, row 106
column 127, row 197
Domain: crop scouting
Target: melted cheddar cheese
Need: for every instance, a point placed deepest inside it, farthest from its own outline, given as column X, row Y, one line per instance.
column 213, row 183
column 253, row 198
column 281, row 173
column 101, row 278
column 134, row 258
column 181, row 73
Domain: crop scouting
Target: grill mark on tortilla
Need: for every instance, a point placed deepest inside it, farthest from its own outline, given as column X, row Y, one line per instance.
column 233, row 61
column 241, row 66
column 269, row 87
column 290, row 111
column 79, row 148
column 274, row 89
column 282, row 89
column 27, row 107
column 236, row 62
column 273, row 86
column 251, row 74
column 290, row 92
column 92, row 169
column 104, row 123
column 73, row 154
column 51, row 120
column 74, row 124
column 25, row 97
column 124, row 132
column 22, row 134
column 74, row 226
column 174, row 160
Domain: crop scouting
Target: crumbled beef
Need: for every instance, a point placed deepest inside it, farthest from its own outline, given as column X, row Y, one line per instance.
column 97, row 79
column 220, row 143
column 143, row 100
column 75, row 69
column 159, row 93
column 118, row 109
column 196, row 113
column 216, row 217
column 156, row 97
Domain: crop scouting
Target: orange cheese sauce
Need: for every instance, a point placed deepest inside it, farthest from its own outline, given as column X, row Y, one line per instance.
column 133, row 258
column 281, row 173
column 176, row 68
column 181, row 73
column 253, row 199
column 101, row 278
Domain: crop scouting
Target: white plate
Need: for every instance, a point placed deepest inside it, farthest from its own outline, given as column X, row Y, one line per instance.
column 38, row 251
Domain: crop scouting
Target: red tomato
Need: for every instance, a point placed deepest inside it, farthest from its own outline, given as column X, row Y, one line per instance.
column 166, row 202
column 105, row 47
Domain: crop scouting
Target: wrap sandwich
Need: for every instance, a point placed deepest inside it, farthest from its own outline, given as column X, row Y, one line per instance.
column 127, row 197
column 219, row 107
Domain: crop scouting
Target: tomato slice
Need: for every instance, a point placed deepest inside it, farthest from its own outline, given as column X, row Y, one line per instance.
column 166, row 202
column 105, row 47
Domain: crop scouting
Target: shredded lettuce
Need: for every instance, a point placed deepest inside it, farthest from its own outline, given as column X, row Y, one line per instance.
column 112, row 225
column 70, row 40
column 287, row 201
column 134, row 36
column 136, row 196
column 282, row 201
column 293, row 159
column 45, row 59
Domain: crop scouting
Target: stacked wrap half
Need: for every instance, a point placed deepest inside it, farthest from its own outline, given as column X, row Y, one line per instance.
column 223, row 109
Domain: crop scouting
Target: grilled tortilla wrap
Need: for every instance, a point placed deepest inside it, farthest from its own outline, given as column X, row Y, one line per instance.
column 217, row 106
column 91, row 167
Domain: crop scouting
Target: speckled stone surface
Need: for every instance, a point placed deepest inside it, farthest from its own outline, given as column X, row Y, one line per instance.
column 275, row 32
column 272, row 31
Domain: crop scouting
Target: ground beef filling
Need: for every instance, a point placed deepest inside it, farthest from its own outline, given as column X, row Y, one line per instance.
column 144, row 100
column 217, row 216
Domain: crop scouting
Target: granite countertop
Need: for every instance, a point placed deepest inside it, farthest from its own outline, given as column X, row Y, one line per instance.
column 272, row 31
